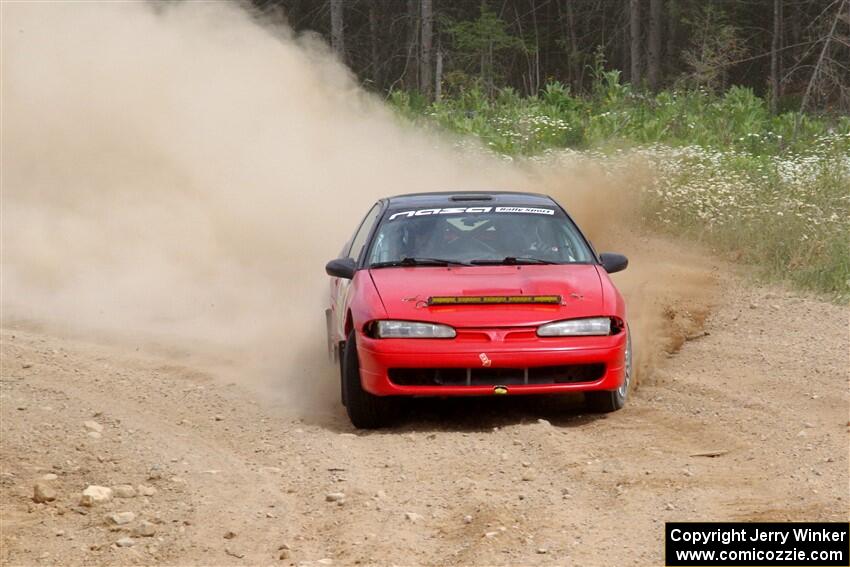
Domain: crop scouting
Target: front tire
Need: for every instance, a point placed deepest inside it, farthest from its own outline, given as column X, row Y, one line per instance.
column 365, row 410
column 607, row 401
column 341, row 363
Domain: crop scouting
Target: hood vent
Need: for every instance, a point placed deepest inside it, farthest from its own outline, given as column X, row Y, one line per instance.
column 472, row 197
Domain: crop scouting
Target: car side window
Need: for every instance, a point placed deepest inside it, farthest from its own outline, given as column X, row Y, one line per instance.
column 359, row 240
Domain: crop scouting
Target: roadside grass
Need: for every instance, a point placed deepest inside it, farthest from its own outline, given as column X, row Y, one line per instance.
column 789, row 215
column 769, row 191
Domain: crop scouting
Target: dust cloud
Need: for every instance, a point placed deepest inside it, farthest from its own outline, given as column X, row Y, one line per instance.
column 177, row 175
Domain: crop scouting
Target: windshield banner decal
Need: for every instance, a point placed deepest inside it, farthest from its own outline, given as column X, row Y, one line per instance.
column 468, row 210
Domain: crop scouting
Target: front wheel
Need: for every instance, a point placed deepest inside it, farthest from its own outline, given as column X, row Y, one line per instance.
column 365, row 410
column 606, row 401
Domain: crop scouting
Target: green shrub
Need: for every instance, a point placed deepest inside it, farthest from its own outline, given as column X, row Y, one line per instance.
column 773, row 191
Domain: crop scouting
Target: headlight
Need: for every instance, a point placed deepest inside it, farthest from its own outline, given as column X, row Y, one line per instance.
column 411, row 330
column 576, row 327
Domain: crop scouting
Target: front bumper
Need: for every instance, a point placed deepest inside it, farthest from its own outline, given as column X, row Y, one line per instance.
column 378, row 356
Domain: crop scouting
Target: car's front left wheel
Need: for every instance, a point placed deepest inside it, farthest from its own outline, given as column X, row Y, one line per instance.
column 365, row 410
column 606, row 401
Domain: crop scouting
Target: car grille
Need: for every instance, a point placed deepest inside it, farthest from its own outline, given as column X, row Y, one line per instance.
column 565, row 374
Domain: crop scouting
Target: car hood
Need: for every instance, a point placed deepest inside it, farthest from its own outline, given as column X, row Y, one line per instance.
column 405, row 291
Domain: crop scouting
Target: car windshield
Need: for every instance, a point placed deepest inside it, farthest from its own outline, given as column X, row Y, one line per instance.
column 477, row 235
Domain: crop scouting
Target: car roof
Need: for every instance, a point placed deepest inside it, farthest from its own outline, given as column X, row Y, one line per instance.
column 468, row 198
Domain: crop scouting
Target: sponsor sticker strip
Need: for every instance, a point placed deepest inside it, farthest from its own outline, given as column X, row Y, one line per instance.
column 468, row 210
column 494, row 300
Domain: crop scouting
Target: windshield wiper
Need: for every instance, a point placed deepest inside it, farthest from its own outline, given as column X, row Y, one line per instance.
column 408, row 261
column 512, row 261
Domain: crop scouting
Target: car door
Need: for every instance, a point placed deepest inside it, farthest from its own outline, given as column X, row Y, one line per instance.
column 340, row 287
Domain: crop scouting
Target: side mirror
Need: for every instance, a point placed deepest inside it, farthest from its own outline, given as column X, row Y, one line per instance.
column 613, row 262
column 340, row 268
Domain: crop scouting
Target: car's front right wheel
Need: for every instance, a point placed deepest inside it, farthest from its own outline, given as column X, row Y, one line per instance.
column 365, row 410
column 606, row 401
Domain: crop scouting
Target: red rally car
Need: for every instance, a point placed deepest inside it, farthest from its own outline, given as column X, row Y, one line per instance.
column 474, row 294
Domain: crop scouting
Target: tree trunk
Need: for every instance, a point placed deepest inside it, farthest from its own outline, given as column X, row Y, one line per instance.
column 425, row 76
column 535, row 88
column 775, row 46
column 337, row 34
column 625, row 64
column 796, row 28
column 489, row 77
column 672, row 33
column 527, row 80
column 373, row 32
column 411, row 67
column 575, row 75
column 654, row 65
column 438, row 79
column 634, row 31
column 821, row 57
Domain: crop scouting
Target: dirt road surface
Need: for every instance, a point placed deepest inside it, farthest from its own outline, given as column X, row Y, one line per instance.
column 238, row 481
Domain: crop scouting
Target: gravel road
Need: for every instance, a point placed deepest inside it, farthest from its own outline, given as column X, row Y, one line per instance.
column 747, row 421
